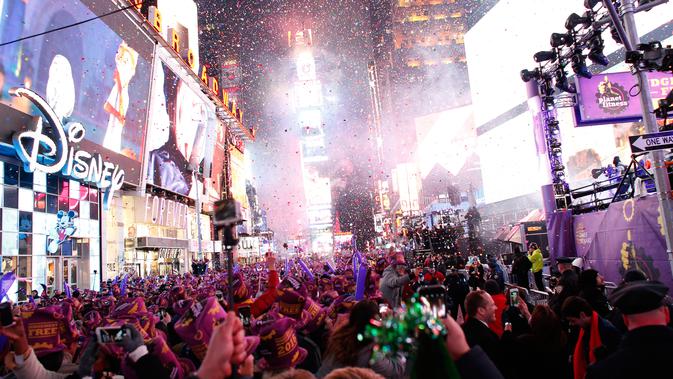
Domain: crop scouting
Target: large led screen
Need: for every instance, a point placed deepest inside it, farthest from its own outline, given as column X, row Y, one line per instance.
column 181, row 126
column 96, row 73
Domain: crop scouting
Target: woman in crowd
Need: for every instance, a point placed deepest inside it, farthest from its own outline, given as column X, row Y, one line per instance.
column 346, row 349
column 539, row 352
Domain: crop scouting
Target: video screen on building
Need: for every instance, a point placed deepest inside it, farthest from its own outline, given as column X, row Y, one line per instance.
column 181, row 127
column 96, row 73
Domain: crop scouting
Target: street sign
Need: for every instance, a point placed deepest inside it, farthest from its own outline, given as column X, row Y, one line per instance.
column 652, row 142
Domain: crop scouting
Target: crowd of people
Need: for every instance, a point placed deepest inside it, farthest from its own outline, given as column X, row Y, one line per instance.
column 311, row 318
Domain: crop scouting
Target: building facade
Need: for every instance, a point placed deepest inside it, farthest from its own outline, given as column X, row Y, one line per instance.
column 112, row 146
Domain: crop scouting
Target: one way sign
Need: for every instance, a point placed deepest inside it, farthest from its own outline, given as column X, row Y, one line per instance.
column 652, row 142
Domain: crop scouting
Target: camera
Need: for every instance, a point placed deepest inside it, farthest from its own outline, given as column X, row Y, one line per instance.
column 227, row 213
column 651, row 56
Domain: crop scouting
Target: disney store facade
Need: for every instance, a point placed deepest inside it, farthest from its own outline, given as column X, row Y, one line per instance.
column 112, row 149
column 72, row 127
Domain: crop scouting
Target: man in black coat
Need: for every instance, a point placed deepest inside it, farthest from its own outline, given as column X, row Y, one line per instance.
column 480, row 309
column 520, row 268
column 647, row 348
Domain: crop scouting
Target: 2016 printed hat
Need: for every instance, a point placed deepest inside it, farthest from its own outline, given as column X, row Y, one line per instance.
column 279, row 348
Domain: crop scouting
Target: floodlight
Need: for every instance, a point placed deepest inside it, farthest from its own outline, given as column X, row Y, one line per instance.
column 580, row 67
column 596, row 54
column 560, row 39
column 543, row 56
column 575, row 20
column 527, row 75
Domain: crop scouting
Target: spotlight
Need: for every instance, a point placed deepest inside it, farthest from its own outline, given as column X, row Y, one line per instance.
column 590, row 4
column 558, row 168
column 580, row 67
column 527, row 75
column 596, row 54
column 543, row 56
column 563, row 84
column 575, row 20
column 560, row 39
column 557, row 152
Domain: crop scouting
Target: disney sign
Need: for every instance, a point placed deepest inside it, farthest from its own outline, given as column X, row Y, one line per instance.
column 48, row 150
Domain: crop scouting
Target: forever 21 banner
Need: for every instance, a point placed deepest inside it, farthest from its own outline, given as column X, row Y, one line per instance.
column 96, row 74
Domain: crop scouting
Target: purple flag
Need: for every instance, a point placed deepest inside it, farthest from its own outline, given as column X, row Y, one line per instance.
column 357, row 261
column 123, row 285
column 66, row 289
column 330, row 267
column 360, row 282
column 5, row 283
column 306, row 269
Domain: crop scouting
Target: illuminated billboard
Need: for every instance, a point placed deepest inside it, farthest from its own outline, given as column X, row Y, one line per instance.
column 407, row 183
column 181, row 127
column 308, row 94
column 96, row 73
column 305, row 66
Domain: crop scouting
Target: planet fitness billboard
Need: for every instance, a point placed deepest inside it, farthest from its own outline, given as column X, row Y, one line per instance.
column 613, row 98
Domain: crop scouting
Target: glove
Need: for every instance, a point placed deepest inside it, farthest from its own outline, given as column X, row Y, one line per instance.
column 131, row 339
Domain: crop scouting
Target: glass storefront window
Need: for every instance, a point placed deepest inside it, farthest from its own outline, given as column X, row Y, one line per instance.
column 52, row 204
column 26, row 199
column 10, row 220
column 10, row 197
column 26, row 180
column 40, row 201
column 52, row 184
column 40, row 181
column 8, row 264
column 11, row 174
column 10, row 244
column 25, row 244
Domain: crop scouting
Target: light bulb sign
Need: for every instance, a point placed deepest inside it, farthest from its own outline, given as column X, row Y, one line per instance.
column 52, row 150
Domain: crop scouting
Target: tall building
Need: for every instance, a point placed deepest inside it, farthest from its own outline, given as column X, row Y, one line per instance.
column 419, row 57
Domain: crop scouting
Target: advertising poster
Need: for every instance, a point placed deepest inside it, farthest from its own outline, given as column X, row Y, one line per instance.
column 614, row 97
column 96, row 73
column 180, row 126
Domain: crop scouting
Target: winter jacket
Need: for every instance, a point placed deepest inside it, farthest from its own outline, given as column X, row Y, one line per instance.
column 536, row 260
column 393, row 367
column 392, row 284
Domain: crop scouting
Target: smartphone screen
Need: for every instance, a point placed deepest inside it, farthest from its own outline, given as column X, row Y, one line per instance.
column 110, row 334
column 514, row 297
column 435, row 296
column 245, row 315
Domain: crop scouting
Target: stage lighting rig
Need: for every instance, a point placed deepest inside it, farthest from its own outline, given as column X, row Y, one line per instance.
column 591, row 4
column 596, row 46
column 543, row 56
column 562, row 82
column 652, row 57
column 560, row 39
column 575, row 20
column 528, row 75
column 580, row 66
